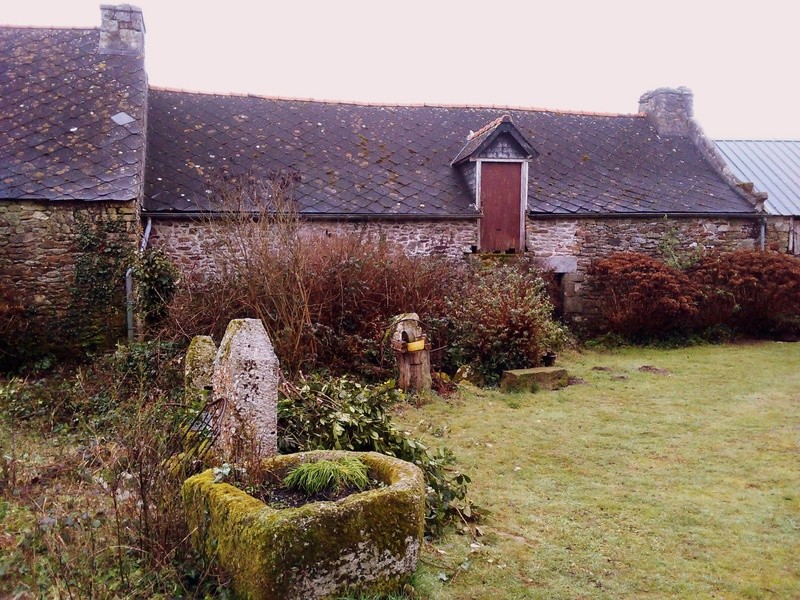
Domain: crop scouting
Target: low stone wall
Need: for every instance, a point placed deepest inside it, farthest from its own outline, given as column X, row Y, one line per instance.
column 568, row 246
column 187, row 242
column 65, row 263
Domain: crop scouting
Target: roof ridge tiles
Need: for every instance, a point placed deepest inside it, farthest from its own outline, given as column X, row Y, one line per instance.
column 48, row 28
column 488, row 127
column 396, row 104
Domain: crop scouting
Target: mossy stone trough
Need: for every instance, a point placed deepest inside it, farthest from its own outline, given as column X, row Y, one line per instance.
column 367, row 542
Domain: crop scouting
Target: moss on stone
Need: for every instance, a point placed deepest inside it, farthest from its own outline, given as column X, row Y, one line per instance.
column 198, row 367
column 367, row 542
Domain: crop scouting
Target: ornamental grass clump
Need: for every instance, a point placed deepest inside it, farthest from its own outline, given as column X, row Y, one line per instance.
column 340, row 414
column 313, row 478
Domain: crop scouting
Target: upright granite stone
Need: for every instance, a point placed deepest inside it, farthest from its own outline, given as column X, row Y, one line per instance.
column 245, row 385
column 198, row 369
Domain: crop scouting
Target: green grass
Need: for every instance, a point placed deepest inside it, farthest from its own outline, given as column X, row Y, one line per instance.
column 634, row 484
column 327, row 475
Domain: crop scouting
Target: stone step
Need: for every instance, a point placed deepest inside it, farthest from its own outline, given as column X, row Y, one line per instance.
column 530, row 380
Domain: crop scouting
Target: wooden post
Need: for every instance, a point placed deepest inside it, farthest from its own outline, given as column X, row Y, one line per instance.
column 413, row 354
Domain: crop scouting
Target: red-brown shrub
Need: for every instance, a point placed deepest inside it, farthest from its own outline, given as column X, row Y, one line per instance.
column 750, row 291
column 325, row 300
column 641, row 298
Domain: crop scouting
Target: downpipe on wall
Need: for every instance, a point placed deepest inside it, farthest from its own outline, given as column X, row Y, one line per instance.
column 129, row 281
column 763, row 233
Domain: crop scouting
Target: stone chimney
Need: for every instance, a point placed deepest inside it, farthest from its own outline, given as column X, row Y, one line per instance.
column 669, row 109
column 121, row 29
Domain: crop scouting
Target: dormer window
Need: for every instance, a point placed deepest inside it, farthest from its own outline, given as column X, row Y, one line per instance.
column 494, row 162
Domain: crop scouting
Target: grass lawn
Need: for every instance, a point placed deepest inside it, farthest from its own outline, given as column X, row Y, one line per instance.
column 679, row 481
column 633, row 484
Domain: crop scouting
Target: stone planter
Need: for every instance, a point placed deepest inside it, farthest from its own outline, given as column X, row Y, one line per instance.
column 367, row 542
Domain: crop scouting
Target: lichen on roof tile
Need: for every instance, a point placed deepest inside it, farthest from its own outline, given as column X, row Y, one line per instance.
column 52, row 101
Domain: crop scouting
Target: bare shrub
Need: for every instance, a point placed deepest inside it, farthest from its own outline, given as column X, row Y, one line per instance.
column 502, row 318
column 108, row 517
column 324, row 299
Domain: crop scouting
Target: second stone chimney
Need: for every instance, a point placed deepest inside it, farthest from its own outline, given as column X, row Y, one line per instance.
column 669, row 110
column 121, row 29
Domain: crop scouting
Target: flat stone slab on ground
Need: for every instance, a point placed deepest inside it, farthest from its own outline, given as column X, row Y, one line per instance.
column 529, row 380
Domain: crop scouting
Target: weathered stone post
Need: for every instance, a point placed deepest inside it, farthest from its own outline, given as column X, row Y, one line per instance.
column 246, row 387
column 413, row 355
column 198, row 369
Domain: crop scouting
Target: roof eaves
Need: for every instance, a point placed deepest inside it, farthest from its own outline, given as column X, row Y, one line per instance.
column 644, row 215
column 214, row 215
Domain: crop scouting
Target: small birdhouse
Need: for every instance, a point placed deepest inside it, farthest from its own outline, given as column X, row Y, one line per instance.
column 413, row 355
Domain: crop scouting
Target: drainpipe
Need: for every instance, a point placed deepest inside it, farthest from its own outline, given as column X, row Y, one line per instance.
column 129, row 280
column 763, row 233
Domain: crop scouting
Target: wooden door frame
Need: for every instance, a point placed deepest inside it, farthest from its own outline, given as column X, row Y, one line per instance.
column 523, row 195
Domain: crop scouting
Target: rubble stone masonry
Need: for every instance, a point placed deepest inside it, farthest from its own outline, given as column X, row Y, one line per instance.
column 576, row 242
column 187, row 242
column 566, row 245
column 60, row 263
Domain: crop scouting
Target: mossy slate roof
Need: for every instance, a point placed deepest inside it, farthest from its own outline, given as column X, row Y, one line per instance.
column 58, row 141
column 58, row 95
column 372, row 160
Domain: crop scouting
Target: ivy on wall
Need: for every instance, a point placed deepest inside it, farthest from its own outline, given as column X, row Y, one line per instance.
column 104, row 250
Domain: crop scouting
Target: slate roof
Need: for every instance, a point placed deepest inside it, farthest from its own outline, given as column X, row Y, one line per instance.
column 772, row 165
column 57, row 96
column 372, row 160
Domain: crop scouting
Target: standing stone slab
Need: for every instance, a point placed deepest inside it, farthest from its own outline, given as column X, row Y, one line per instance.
column 246, row 387
column 529, row 380
column 198, row 369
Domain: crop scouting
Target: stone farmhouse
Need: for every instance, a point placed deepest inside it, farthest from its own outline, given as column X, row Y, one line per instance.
column 95, row 163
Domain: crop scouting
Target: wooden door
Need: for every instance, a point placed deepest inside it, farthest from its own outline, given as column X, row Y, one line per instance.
column 501, row 190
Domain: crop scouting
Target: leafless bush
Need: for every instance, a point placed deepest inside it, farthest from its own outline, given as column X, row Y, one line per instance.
column 324, row 299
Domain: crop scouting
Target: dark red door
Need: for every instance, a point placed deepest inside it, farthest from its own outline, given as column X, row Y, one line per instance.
column 501, row 207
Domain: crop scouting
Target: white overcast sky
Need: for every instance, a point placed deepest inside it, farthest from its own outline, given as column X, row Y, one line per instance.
column 739, row 58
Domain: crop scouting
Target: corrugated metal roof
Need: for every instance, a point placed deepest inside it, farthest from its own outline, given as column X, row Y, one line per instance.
column 772, row 165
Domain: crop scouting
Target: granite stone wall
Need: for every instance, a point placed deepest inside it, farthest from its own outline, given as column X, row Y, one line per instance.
column 565, row 245
column 188, row 242
column 568, row 246
column 60, row 264
column 783, row 234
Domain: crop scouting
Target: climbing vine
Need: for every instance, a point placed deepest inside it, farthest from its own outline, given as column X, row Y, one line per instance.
column 156, row 282
column 104, row 251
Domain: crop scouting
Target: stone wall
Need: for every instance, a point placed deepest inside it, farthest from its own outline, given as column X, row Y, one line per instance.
column 568, row 246
column 783, row 234
column 62, row 261
column 187, row 242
